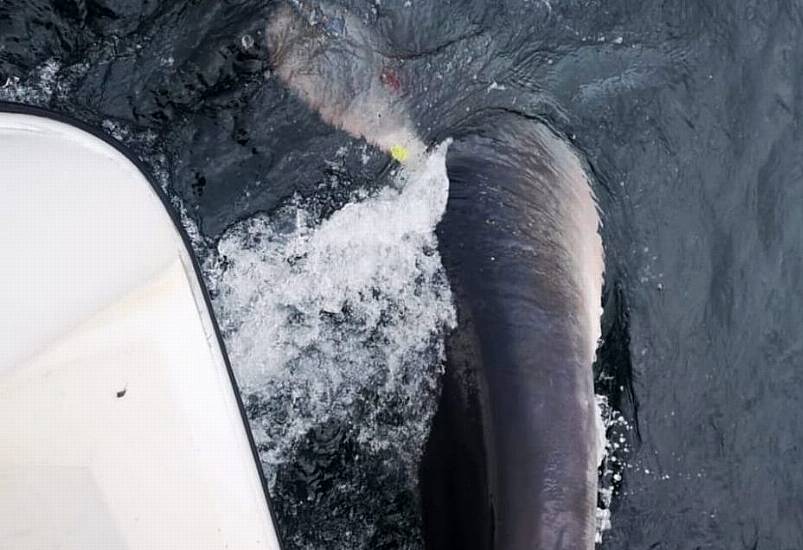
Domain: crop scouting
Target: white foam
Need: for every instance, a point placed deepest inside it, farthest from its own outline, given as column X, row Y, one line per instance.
column 613, row 425
column 317, row 312
column 47, row 82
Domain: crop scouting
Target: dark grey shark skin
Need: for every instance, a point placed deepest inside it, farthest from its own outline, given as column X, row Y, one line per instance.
column 511, row 461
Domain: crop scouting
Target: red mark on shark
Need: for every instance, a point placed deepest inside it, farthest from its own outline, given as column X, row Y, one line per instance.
column 390, row 79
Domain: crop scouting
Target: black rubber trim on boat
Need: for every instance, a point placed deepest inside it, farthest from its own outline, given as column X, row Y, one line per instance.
column 19, row 108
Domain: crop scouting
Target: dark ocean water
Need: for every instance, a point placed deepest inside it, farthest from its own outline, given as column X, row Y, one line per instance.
column 689, row 117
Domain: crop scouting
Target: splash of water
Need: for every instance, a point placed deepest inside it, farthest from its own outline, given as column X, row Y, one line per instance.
column 335, row 319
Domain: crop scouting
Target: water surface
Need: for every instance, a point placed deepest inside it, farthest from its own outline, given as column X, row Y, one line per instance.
column 688, row 115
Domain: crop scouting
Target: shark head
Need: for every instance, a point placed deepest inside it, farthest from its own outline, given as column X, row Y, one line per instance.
column 329, row 59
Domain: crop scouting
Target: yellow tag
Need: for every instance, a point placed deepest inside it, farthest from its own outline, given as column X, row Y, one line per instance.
column 399, row 153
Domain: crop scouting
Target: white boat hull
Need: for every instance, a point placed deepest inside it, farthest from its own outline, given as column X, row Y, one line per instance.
column 119, row 421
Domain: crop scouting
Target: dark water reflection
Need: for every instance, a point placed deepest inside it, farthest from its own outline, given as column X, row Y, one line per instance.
column 689, row 115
